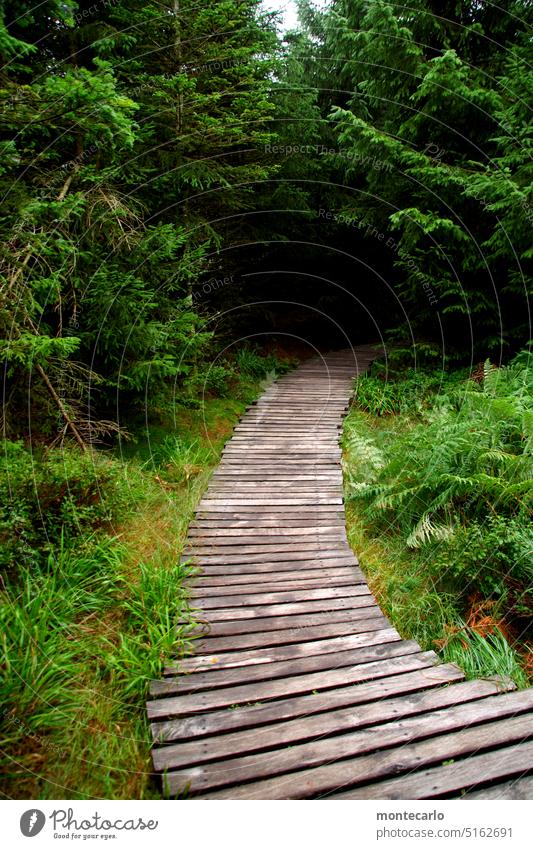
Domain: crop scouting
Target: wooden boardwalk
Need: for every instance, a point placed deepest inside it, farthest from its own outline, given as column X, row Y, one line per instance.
column 300, row 687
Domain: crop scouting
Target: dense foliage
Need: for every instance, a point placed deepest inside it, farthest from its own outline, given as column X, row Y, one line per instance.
column 427, row 138
column 449, row 474
column 132, row 134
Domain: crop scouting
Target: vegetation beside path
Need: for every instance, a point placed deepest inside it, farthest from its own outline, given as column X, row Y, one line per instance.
column 92, row 592
column 439, row 490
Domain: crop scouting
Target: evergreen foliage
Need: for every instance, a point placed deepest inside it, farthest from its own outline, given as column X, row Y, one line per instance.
column 133, row 133
column 440, row 95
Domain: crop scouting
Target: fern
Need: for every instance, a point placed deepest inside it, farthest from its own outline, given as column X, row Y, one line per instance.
column 461, row 463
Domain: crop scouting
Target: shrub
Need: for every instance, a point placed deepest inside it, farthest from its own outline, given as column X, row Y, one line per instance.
column 252, row 363
column 216, row 379
column 55, row 494
column 492, row 557
column 384, row 393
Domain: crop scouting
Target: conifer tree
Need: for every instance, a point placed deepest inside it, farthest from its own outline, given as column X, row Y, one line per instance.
column 442, row 93
column 134, row 132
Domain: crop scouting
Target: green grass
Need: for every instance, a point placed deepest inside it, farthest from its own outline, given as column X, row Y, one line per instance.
column 94, row 603
column 80, row 641
column 484, row 656
column 405, row 593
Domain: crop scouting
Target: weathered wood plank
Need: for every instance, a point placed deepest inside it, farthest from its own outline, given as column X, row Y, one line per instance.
column 278, row 568
column 333, row 557
column 279, row 545
column 292, row 634
column 273, row 623
column 305, row 648
column 262, row 520
column 288, row 608
column 226, row 579
column 231, row 505
column 470, row 772
column 338, row 695
column 420, row 693
column 518, row 788
column 275, row 567
column 254, row 599
column 403, row 755
column 213, row 678
column 197, row 534
column 205, row 590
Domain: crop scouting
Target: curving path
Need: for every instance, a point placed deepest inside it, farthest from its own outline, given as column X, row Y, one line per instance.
column 300, row 687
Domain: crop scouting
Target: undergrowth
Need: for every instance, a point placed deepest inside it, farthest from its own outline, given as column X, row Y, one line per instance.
column 439, row 469
column 93, row 597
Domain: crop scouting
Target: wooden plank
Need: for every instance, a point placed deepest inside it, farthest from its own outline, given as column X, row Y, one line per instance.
column 230, row 528
column 267, row 483
column 321, row 431
column 518, row 788
column 286, row 536
column 262, row 456
column 217, row 556
column 274, row 524
column 470, row 772
column 295, row 558
column 255, row 599
column 229, row 476
column 206, row 591
column 224, row 579
column 290, row 562
column 268, row 518
column 311, row 513
column 280, row 545
column 279, row 464
column 249, row 715
column 289, row 407
column 292, row 634
column 287, row 487
column 273, row 623
column 299, row 419
column 419, row 693
column 308, row 548
column 334, row 556
column 293, row 445
column 213, row 678
column 287, row 609
column 294, row 450
column 289, row 431
column 278, row 569
column 257, row 440
column 234, row 500
column 305, row 648
column 278, row 454
column 272, row 490
column 206, row 531
column 309, row 782
column 309, row 472
column 231, row 505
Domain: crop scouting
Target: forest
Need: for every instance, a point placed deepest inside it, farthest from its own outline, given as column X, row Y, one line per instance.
column 194, row 201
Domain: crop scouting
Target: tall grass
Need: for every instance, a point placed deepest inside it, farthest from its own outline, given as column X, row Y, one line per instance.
column 93, row 599
column 82, row 635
